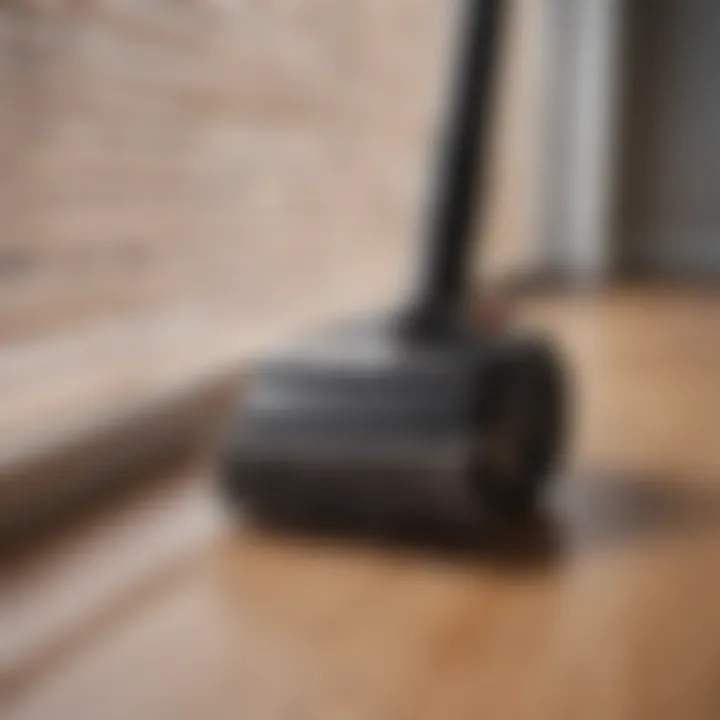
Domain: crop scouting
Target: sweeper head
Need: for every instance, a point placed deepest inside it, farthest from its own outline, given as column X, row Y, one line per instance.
column 421, row 417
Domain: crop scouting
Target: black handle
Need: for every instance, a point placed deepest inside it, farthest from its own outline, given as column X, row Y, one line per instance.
column 461, row 162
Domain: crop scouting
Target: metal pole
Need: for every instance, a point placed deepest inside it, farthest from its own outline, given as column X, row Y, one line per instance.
column 460, row 164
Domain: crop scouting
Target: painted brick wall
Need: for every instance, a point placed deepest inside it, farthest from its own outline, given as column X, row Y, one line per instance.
column 243, row 151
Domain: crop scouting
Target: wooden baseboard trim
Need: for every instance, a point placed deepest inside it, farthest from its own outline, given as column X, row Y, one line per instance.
column 41, row 490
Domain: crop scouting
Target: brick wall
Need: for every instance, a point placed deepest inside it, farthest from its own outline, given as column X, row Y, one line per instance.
column 165, row 152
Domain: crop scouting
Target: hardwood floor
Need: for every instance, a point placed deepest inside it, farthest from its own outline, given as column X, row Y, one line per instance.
column 159, row 608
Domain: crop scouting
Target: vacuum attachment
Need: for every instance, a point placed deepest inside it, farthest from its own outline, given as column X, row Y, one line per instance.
column 420, row 419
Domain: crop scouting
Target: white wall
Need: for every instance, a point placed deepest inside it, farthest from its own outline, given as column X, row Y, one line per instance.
column 576, row 174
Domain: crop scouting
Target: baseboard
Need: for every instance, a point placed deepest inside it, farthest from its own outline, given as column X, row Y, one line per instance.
column 42, row 489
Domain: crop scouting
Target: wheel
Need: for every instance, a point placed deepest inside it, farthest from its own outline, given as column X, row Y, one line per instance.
column 521, row 425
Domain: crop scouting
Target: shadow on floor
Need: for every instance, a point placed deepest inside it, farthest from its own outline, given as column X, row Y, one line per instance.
column 587, row 512
column 612, row 509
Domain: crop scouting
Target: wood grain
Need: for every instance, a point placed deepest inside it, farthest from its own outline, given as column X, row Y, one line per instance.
column 617, row 618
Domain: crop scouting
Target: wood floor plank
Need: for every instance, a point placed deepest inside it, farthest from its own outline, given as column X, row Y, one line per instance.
column 618, row 619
